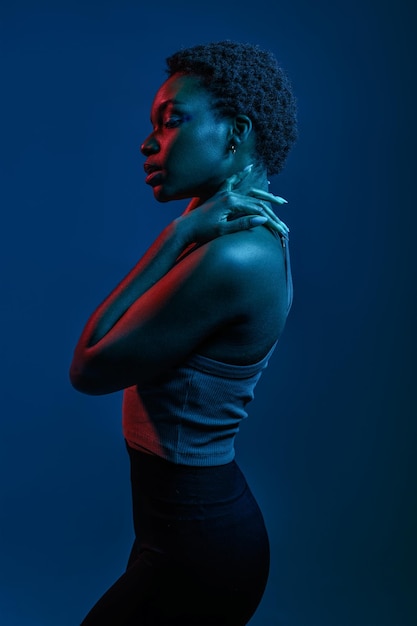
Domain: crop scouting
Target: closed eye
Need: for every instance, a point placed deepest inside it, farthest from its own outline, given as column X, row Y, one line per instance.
column 173, row 122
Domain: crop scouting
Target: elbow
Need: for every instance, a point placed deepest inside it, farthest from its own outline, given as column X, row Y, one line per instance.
column 80, row 381
column 85, row 380
column 95, row 377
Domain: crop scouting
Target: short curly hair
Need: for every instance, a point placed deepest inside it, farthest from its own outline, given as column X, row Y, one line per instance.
column 244, row 79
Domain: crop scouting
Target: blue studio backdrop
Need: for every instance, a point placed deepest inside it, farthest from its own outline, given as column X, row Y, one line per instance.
column 330, row 443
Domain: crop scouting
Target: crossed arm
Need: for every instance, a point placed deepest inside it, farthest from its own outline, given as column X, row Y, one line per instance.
column 165, row 307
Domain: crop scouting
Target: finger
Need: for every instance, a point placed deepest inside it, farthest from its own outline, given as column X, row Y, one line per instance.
column 251, row 205
column 240, row 222
column 252, row 221
column 274, row 218
column 268, row 210
column 276, row 225
column 256, row 193
column 228, row 184
column 265, row 195
column 236, row 179
column 243, row 223
column 243, row 173
column 277, row 228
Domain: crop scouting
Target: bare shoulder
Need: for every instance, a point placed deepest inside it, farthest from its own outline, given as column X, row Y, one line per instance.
column 246, row 271
column 252, row 258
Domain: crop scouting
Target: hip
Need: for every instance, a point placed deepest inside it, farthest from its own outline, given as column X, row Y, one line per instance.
column 182, row 504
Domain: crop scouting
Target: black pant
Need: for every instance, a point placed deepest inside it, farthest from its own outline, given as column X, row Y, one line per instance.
column 201, row 553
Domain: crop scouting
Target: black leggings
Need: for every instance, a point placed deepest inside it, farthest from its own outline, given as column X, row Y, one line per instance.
column 201, row 553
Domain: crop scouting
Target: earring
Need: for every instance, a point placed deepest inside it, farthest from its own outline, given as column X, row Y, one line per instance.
column 232, row 148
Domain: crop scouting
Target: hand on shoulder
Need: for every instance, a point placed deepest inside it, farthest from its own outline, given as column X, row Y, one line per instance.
column 230, row 210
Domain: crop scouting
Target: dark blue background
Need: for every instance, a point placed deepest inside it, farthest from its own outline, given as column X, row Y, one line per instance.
column 330, row 444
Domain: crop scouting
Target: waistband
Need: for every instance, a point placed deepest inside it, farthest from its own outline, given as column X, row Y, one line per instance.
column 160, row 480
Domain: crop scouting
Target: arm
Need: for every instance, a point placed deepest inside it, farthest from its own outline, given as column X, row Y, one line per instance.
column 161, row 326
column 155, row 263
column 163, row 308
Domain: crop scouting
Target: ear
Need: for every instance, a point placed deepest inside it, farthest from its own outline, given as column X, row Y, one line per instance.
column 241, row 129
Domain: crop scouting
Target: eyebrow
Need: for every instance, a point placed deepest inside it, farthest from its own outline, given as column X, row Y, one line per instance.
column 164, row 105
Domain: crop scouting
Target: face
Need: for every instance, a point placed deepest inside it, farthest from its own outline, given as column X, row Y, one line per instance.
column 188, row 150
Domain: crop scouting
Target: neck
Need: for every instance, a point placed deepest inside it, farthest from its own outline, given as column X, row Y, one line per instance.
column 256, row 179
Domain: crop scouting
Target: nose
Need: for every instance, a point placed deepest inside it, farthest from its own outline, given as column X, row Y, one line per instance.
column 150, row 145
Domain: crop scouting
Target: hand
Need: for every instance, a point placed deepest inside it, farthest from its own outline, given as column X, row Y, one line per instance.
column 274, row 223
column 229, row 211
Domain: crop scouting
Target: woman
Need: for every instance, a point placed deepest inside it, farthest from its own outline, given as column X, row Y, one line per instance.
column 187, row 334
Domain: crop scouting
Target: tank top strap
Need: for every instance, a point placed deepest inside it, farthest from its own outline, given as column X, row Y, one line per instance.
column 288, row 274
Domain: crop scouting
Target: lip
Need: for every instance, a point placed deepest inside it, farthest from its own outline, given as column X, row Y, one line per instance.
column 153, row 178
column 152, row 170
column 151, row 167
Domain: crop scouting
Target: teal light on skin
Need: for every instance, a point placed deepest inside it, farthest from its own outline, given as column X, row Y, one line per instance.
column 190, row 143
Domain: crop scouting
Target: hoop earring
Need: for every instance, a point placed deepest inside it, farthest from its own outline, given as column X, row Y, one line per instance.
column 232, row 148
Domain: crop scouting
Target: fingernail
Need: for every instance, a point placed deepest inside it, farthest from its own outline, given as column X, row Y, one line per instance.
column 248, row 168
column 258, row 220
column 281, row 199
